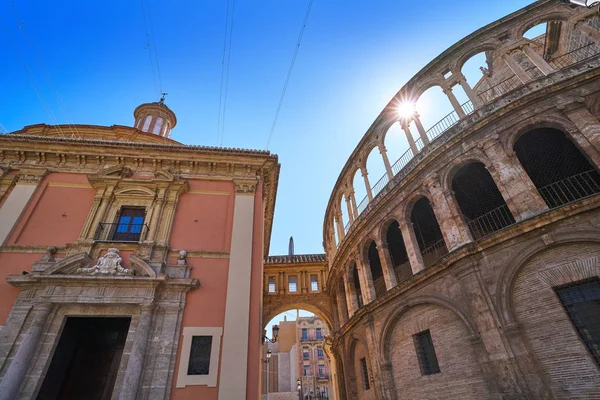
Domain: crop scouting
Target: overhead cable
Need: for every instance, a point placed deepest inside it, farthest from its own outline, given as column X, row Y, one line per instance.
column 289, row 73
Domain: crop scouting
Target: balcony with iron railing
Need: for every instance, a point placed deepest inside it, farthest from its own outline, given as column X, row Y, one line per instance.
column 312, row 338
column 570, row 189
column 120, row 233
column 488, row 95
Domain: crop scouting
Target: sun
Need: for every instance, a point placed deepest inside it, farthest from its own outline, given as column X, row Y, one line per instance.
column 406, row 110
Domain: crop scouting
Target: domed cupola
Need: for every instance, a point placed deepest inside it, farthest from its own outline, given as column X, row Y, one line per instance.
column 155, row 118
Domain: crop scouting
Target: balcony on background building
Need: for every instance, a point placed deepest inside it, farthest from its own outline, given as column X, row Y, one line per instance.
column 312, row 338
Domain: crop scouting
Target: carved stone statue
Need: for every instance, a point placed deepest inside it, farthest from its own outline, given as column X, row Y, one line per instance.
column 110, row 264
column 182, row 257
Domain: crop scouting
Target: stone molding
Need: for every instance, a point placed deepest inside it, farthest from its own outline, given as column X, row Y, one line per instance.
column 245, row 187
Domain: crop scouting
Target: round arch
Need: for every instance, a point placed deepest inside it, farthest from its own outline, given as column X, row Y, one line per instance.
column 270, row 312
column 397, row 313
column 474, row 156
column 509, row 274
column 540, row 19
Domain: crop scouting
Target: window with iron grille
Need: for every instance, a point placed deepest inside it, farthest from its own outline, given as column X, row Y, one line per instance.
column 200, row 355
column 426, row 353
column 364, row 372
column 480, row 201
column 129, row 224
column 558, row 169
column 314, row 283
column 272, row 287
column 582, row 302
column 428, row 233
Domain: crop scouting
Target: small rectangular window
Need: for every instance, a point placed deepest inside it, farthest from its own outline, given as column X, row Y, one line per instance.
column 304, row 334
column 200, row 355
column 582, row 303
column 307, row 370
column 319, row 352
column 272, row 287
column 314, row 283
column 364, row 372
column 319, row 332
column 293, row 284
column 321, row 370
column 426, row 353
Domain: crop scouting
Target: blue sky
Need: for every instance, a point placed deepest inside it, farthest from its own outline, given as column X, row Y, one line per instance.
column 89, row 64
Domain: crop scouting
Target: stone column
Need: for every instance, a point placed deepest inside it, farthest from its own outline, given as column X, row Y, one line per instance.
column 412, row 247
column 537, row 60
column 135, row 365
column 519, row 192
column 448, row 216
column 410, row 139
column 154, row 224
column 366, row 281
column 365, row 175
column 454, row 101
column 100, row 211
column 349, row 208
column 589, row 127
column 386, row 161
column 495, row 354
column 421, row 129
column 351, row 301
column 587, row 30
column 340, row 225
column 353, row 203
column 342, row 311
column 462, row 81
column 11, row 383
column 386, row 265
column 516, row 68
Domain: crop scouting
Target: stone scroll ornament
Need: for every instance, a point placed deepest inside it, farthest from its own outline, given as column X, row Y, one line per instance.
column 110, row 264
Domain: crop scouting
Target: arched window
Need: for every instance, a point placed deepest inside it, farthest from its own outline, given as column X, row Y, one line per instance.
column 429, row 236
column 158, row 126
column 480, row 201
column 356, row 283
column 147, row 122
column 559, row 171
column 376, row 270
column 398, row 253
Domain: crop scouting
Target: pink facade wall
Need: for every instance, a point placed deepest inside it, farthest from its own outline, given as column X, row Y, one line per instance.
column 203, row 221
column 55, row 214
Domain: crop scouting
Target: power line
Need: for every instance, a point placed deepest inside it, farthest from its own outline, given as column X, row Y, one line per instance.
column 30, row 77
column 45, row 72
column 160, row 86
column 222, row 72
column 148, row 47
column 289, row 74
column 223, row 113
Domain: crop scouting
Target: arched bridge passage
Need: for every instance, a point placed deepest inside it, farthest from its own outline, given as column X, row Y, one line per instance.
column 296, row 282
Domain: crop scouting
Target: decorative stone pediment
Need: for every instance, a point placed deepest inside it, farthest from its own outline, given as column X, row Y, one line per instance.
column 164, row 174
column 69, row 265
column 107, row 265
column 141, row 267
column 135, row 191
column 117, row 171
